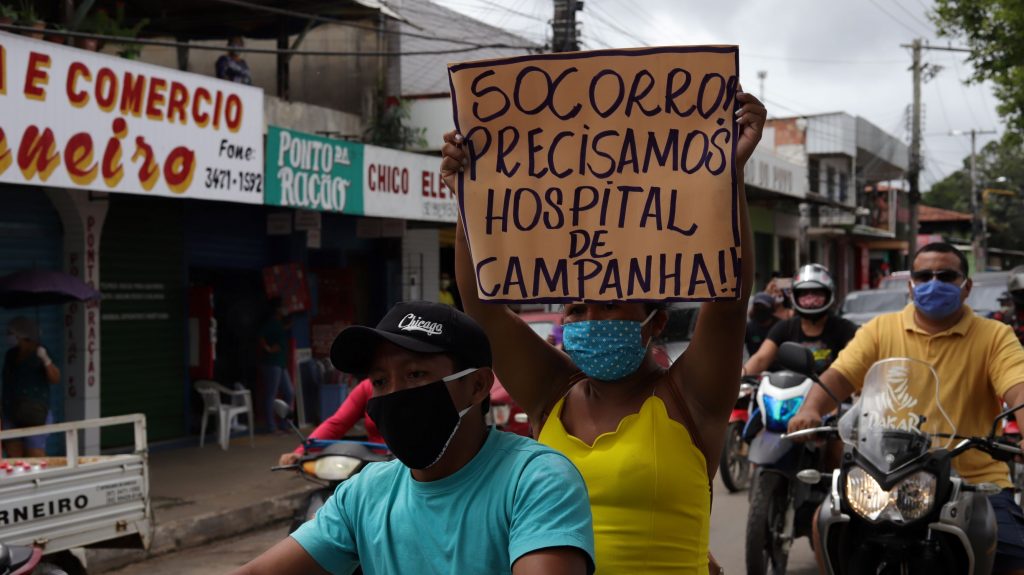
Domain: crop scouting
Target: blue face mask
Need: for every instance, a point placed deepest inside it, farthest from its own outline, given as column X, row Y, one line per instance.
column 936, row 299
column 606, row 349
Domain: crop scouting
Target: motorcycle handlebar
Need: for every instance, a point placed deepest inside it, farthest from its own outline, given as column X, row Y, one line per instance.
column 810, row 431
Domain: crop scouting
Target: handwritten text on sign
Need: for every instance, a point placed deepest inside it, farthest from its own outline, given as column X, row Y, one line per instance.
column 601, row 176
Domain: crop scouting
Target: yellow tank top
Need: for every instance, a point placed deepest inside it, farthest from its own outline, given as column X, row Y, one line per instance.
column 649, row 492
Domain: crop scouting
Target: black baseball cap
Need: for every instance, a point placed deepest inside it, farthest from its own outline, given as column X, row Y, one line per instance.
column 418, row 326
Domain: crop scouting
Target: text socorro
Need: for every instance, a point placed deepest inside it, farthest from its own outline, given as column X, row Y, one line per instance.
column 608, row 151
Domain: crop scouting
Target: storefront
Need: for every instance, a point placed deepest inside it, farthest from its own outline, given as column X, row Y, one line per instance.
column 32, row 237
column 380, row 217
column 94, row 152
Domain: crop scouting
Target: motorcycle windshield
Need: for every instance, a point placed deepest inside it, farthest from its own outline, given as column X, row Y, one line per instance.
column 899, row 416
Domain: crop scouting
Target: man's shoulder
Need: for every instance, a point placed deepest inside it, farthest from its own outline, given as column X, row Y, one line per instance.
column 989, row 328
column 371, row 478
column 887, row 323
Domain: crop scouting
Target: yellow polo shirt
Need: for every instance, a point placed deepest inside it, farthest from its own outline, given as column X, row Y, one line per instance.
column 978, row 360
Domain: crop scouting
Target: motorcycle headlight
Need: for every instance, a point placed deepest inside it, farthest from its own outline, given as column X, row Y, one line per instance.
column 778, row 412
column 336, row 467
column 909, row 500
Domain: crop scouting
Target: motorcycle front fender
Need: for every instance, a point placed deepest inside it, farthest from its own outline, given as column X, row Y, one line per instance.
column 768, row 448
column 972, row 521
column 831, row 522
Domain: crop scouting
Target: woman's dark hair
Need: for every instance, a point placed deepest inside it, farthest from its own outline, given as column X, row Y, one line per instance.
column 655, row 306
column 946, row 248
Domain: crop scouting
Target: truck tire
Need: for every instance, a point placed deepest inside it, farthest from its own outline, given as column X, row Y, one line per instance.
column 45, row 568
column 63, row 563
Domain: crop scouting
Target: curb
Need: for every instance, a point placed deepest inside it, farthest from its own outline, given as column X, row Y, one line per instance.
column 199, row 530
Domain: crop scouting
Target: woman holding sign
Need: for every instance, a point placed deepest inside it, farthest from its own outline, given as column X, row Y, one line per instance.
column 646, row 439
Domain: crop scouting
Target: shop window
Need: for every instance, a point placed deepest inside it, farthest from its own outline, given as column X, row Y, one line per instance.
column 830, row 183
column 814, row 176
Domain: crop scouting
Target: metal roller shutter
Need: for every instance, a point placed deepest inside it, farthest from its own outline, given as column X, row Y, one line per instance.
column 143, row 319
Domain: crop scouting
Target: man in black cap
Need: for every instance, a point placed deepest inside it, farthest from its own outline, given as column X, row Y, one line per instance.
column 460, row 498
column 762, row 320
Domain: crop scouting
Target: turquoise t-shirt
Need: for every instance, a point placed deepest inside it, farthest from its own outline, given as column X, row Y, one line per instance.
column 515, row 497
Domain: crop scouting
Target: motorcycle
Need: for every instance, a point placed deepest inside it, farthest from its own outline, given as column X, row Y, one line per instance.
column 327, row 463
column 733, row 466
column 21, row 560
column 781, row 508
column 505, row 414
column 895, row 505
column 1011, row 433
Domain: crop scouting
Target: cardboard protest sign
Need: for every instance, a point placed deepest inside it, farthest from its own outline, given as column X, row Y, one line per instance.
column 601, row 176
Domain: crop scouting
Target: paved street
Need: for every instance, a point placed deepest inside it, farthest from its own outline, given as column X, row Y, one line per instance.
column 728, row 533
column 728, row 527
column 214, row 559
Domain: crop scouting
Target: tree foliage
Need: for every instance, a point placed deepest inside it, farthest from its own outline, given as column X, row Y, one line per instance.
column 994, row 32
column 1000, row 166
column 388, row 127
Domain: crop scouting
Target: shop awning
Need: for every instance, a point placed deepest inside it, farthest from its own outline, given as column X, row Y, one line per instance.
column 886, row 245
column 221, row 19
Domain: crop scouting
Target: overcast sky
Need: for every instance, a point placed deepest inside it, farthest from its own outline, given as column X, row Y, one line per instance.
column 819, row 55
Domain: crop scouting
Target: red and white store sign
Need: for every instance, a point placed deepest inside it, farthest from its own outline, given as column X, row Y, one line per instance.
column 78, row 119
column 406, row 186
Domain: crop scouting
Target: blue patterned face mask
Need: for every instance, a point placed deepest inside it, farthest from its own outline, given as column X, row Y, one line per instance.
column 606, row 349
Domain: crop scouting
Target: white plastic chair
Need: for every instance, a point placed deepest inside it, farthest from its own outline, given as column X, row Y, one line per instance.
column 211, row 392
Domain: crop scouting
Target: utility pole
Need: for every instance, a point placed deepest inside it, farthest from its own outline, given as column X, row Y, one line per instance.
column 979, row 223
column 565, row 37
column 914, row 173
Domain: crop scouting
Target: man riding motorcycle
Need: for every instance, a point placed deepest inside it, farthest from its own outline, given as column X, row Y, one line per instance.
column 814, row 326
column 1013, row 314
column 979, row 363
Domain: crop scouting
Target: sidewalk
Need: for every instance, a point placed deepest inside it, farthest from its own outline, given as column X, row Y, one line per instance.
column 201, row 495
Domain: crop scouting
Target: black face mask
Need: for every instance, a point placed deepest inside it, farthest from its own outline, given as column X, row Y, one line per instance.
column 418, row 424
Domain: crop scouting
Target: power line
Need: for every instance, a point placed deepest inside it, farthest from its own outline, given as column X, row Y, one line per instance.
column 243, row 49
column 330, row 20
column 818, row 60
column 647, row 19
column 984, row 95
column 923, row 7
column 611, row 25
column 926, row 25
column 895, row 19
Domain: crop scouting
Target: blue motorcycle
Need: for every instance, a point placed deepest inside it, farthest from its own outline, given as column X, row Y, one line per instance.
column 781, row 506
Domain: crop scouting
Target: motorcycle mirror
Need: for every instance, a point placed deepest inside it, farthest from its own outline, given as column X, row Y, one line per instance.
column 800, row 359
column 282, row 409
column 809, row 476
column 796, row 357
column 1002, row 416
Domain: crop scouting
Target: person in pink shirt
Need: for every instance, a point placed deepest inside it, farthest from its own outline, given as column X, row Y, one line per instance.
column 337, row 425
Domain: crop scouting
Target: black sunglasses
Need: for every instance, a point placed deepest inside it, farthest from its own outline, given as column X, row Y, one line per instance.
column 946, row 276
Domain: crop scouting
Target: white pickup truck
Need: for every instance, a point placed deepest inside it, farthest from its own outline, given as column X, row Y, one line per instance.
column 64, row 503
